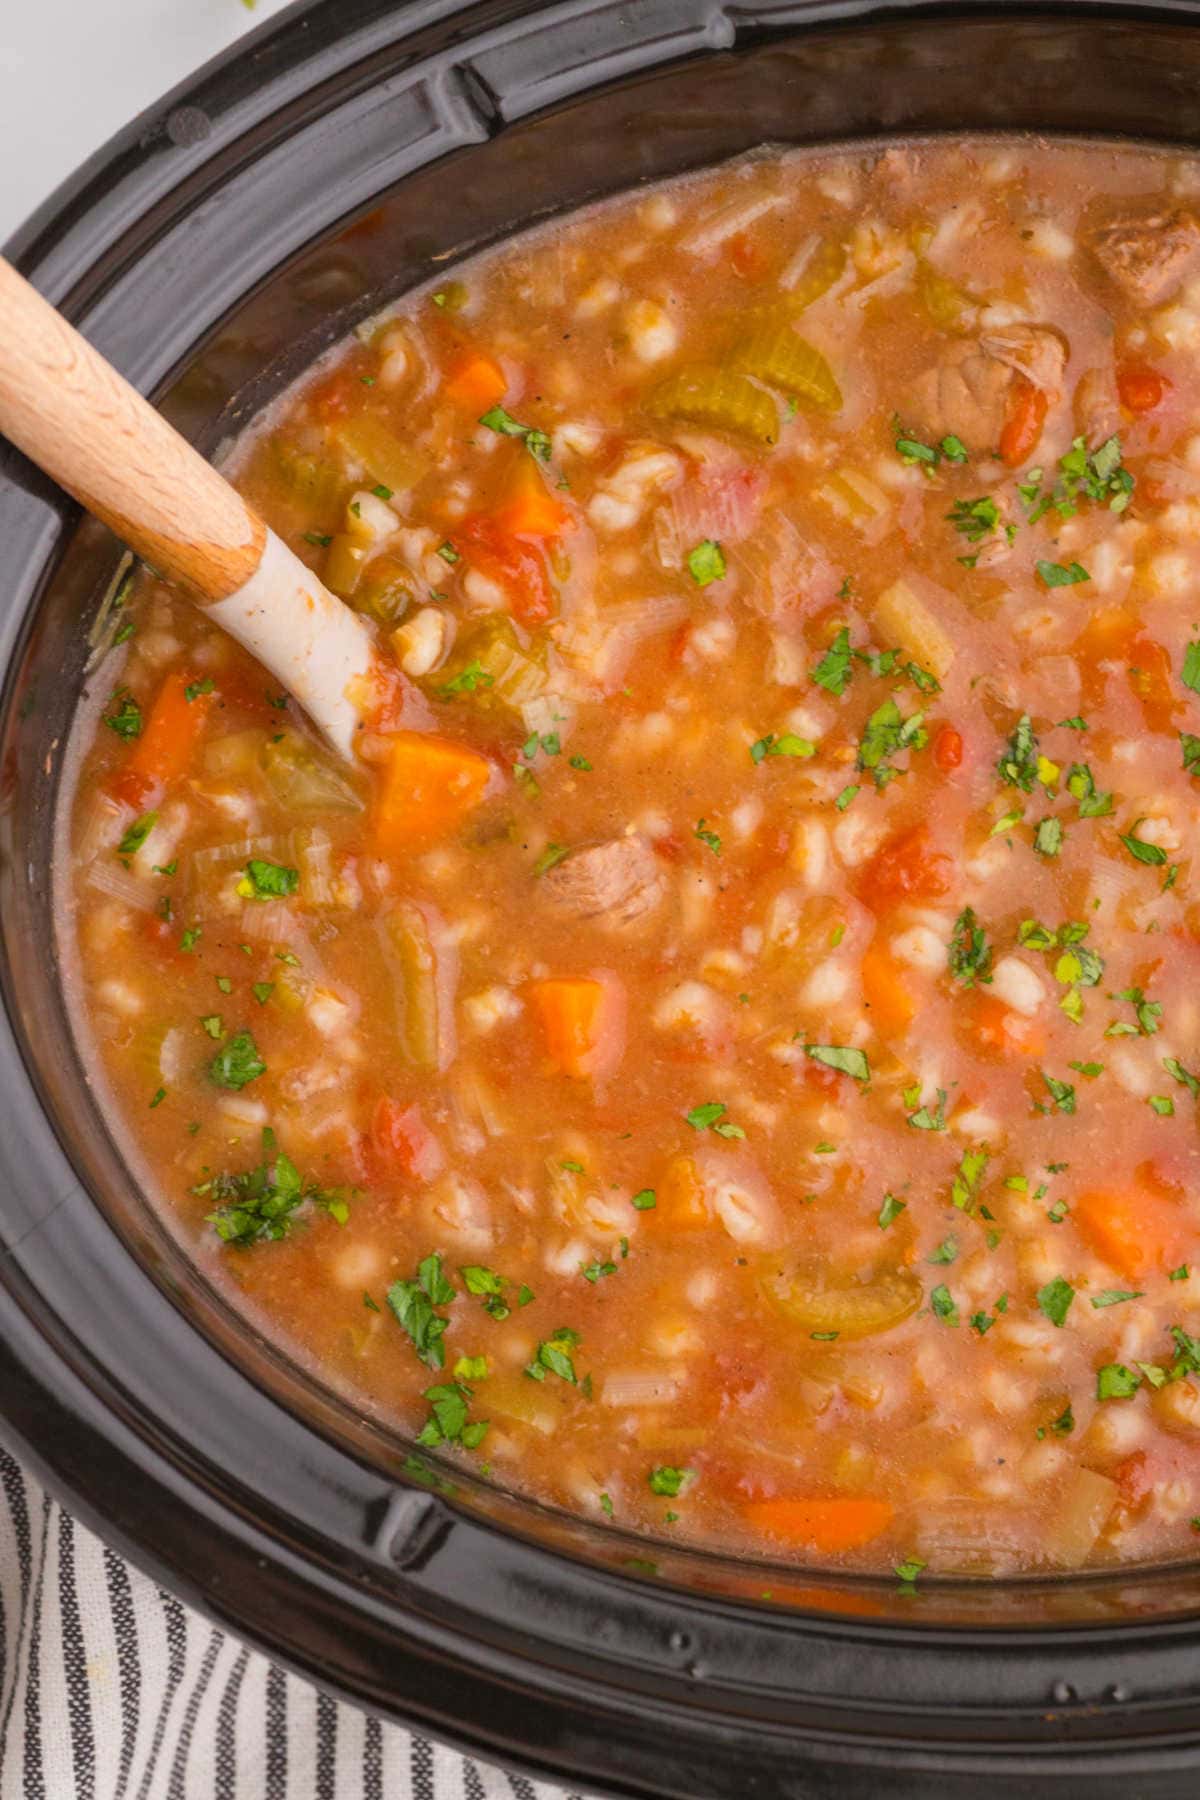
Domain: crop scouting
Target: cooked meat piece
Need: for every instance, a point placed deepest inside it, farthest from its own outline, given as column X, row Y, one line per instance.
column 1149, row 255
column 1035, row 351
column 967, row 393
column 617, row 881
column 1097, row 407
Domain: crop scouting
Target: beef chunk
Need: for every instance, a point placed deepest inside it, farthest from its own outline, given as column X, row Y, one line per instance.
column 617, row 882
column 967, row 392
column 1149, row 255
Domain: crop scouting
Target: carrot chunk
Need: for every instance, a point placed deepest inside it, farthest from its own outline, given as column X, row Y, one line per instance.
column 577, row 1021
column 475, row 382
column 429, row 784
column 887, row 997
column 1023, row 424
column 528, row 508
column 164, row 752
column 1136, row 1230
column 821, row 1524
column 682, row 1205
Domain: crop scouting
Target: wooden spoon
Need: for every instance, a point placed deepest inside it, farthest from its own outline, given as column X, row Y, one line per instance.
column 82, row 423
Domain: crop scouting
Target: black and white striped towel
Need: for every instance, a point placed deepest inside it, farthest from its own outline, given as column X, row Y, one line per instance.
column 110, row 1689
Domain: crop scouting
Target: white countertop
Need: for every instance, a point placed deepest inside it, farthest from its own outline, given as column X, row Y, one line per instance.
column 72, row 72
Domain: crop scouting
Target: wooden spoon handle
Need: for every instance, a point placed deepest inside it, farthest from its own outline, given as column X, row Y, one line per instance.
column 81, row 422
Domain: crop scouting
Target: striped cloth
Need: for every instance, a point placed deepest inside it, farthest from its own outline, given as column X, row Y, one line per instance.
column 110, row 1689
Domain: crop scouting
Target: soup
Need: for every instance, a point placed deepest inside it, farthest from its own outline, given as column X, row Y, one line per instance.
column 724, row 1059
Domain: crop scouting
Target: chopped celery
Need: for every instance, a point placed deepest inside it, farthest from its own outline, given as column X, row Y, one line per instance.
column 384, row 592
column 343, row 565
column 860, row 1309
column 944, row 301
column 424, row 1012
column 818, row 275
column 508, row 675
column 774, row 354
column 303, row 780
column 702, row 395
column 317, row 483
column 386, row 457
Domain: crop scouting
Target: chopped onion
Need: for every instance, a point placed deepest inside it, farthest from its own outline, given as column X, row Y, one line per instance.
column 111, row 879
column 634, row 1389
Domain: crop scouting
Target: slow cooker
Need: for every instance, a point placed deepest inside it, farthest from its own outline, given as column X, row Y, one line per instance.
column 330, row 161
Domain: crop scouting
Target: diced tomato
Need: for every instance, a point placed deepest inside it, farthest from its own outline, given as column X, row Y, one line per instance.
column 1023, row 424
column 518, row 567
column 1150, row 679
column 402, row 1144
column 1141, row 388
column 996, row 1027
column 744, row 255
column 947, row 749
column 887, row 995
column 905, row 868
column 1132, row 1476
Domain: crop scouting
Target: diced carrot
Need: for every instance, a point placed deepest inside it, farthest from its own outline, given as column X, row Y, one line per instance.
column 577, row 1018
column 519, row 568
column 401, row 1142
column 947, row 749
column 1150, row 679
column 164, row 752
column 1137, row 1230
column 429, row 784
column 475, row 382
column 528, row 508
column 827, row 1525
column 905, row 868
column 1023, row 424
column 890, row 1004
column 681, row 1202
column 1141, row 388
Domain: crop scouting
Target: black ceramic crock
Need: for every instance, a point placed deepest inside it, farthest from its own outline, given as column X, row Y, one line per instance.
column 325, row 164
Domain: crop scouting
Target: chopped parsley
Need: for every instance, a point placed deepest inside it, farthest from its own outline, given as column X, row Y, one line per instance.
column 706, row 563
column 449, row 1405
column 472, row 677
column 259, row 1205
column 1019, row 763
column 644, row 1201
column 707, row 836
column 1190, row 675
column 237, row 1063
column 668, row 1481
column 1114, row 1297
column 136, row 836
column 1115, row 1382
column 891, row 1209
column 968, row 1179
column 554, row 1357
column 843, row 1058
column 414, row 1304
column 195, row 689
column 788, row 744
column 1048, row 838
column 711, row 1116
column 1054, row 1300
column 1176, row 1069
column 267, row 880
column 835, row 667
column 943, row 1304
column 970, row 956
column 1056, row 575
column 489, row 1287
column 550, row 858
column 925, row 1120
column 126, row 721
column 974, row 518
column 1061, row 1092
column 1138, row 848
column 887, row 733
column 536, row 442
